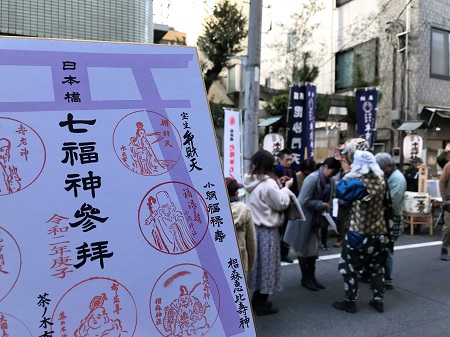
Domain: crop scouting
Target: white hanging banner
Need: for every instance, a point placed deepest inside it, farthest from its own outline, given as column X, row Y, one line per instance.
column 232, row 145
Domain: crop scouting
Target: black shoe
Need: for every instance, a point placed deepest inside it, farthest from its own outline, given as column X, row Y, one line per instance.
column 318, row 284
column 309, row 284
column 323, row 246
column 287, row 259
column 379, row 306
column 444, row 254
column 388, row 285
column 266, row 310
column 345, row 306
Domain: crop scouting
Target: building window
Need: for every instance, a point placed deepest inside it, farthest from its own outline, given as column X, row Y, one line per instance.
column 357, row 65
column 340, row 3
column 344, row 69
column 232, row 87
column 440, row 53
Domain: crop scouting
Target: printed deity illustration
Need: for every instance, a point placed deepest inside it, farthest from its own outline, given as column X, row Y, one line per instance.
column 22, row 156
column 169, row 231
column 186, row 316
column 10, row 181
column 97, row 322
column 147, row 143
column 144, row 158
column 185, row 301
column 95, row 307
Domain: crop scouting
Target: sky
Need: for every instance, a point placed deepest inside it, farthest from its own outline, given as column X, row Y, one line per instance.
column 185, row 16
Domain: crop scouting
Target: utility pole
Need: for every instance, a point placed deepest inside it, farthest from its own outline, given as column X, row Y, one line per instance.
column 408, row 28
column 252, row 82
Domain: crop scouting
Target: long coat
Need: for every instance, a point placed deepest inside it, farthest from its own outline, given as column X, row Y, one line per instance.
column 298, row 233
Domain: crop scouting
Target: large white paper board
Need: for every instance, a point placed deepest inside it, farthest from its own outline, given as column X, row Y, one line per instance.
column 114, row 216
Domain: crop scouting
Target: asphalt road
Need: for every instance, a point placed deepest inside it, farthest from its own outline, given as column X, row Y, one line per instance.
column 419, row 304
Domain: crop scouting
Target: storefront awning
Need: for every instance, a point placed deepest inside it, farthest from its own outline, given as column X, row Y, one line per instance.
column 412, row 125
column 442, row 112
column 269, row 121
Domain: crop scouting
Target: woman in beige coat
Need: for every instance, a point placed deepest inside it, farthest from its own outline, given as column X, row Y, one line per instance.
column 243, row 223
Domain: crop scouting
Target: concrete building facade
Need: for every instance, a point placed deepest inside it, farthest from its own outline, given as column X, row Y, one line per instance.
column 410, row 58
column 103, row 20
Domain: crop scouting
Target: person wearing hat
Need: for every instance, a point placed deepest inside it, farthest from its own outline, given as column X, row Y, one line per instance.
column 412, row 175
column 364, row 189
column 243, row 224
column 345, row 154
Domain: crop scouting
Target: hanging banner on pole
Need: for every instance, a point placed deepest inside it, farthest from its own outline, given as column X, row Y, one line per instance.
column 366, row 113
column 115, row 220
column 232, row 145
column 310, row 122
column 301, row 123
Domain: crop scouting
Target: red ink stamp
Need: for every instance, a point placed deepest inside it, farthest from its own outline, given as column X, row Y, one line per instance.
column 147, row 143
column 173, row 217
column 185, row 301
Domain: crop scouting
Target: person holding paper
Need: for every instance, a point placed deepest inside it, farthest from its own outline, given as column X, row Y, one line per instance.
column 283, row 170
column 363, row 188
column 397, row 187
column 314, row 199
column 307, row 167
column 266, row 201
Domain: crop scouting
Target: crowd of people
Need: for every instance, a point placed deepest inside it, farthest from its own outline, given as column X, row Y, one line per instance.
column 367, row 191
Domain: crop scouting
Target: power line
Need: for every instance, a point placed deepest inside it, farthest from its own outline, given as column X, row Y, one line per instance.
column 404, row 8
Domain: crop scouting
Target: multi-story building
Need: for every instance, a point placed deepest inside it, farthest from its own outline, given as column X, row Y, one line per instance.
column 112, row 20
column 403, row 47
column 399, row 46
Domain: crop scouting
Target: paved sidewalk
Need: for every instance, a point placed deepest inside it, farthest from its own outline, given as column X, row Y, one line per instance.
column 419, row 304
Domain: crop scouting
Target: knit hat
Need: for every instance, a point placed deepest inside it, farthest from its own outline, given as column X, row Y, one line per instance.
column 232, row 185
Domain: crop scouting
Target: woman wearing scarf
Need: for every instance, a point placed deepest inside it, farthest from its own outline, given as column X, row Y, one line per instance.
column 314, row 198
column 364, row 189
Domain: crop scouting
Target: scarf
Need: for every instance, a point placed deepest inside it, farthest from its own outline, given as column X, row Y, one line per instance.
column 325, row 184
column 394, row 168
column 286, row 171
